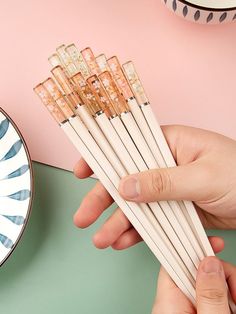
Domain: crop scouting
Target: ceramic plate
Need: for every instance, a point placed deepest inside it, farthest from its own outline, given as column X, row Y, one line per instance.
column 15, row 186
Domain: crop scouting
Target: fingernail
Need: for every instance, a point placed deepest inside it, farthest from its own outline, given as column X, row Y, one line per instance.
column 130, row 188
column 212, row 266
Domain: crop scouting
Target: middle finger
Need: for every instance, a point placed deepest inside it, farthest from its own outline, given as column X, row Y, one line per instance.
column 92, row 206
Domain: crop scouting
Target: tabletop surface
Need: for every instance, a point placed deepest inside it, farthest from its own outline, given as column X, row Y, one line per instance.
column 56, row 268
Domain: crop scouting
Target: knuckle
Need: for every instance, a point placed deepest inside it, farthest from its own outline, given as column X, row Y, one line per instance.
column 213, row 296
column 161, row 181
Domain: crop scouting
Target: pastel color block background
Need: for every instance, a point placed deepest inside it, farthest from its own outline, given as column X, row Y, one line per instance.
column 55, row 269
column 187, row 69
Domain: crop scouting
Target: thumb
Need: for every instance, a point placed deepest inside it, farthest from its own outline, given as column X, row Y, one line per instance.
column 211, row 288
column 188, row 182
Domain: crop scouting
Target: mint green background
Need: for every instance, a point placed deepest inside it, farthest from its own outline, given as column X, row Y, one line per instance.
column 56, row 268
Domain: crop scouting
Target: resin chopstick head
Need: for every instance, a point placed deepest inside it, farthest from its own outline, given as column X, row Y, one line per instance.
column 50, row 104
column 113, row 92
column 54, row 60
column 120, row 78
column 135, row 83
column 52, row 88
column 90, row 61
column 86, row 94
column 66, row 86
column 64, row 104
column 78, row 60
column 102, row 63
column 66, row 60
column 82, row 88
column 43, row 94
column 101, row 96
column 62, row 80
column 66, row 108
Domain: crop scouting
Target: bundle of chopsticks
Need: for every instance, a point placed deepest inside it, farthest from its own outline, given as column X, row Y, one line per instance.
column 103, row 109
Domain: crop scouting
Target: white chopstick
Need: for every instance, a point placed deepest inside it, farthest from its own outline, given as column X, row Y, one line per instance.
column 190, row 209
column 165, row 150
column 119, row 144
column 165, row 208
column 133, row 136
column 111, row 180
column 55, row 93
column 113, row 65
column 177, row 210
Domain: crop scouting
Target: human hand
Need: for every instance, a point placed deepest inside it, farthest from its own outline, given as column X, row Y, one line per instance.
column 205, row 174
column 211, row 290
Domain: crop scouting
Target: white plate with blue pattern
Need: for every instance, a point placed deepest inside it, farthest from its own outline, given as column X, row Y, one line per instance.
column 16, row 186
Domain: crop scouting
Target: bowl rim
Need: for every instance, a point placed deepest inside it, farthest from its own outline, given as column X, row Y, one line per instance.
column 29, row 210
column 207, row 8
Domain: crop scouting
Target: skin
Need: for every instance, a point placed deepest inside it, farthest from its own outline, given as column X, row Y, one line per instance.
column 211, row 290
column 204, row 175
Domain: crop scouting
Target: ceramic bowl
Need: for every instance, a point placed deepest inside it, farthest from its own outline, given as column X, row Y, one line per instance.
column 204, row 11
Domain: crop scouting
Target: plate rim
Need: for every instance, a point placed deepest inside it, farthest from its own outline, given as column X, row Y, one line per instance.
column 29, row 210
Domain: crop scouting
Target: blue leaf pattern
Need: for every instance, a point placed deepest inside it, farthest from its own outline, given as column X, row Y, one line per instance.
column 6, row 241
column 13, row 150
column 4, row 127
column 20, row 195
column 18, row 172
column 17, row 220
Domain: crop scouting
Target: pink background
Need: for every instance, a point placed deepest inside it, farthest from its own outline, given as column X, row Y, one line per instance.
column 187, row 69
